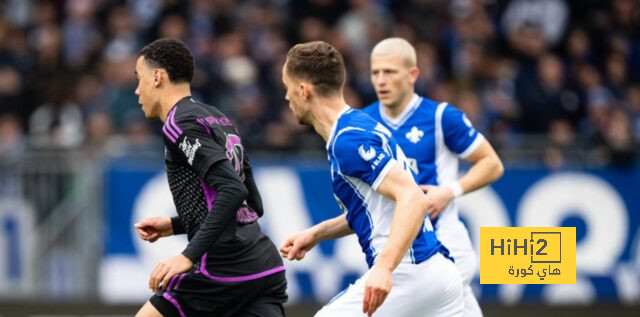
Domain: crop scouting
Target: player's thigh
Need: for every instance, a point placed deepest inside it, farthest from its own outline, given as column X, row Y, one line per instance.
column 148, row 310
column 449, row 300
column 432, row 288
column 467, row 263
column 347, row 303
column 263, row 309
column 269, row 303
column 471, row 306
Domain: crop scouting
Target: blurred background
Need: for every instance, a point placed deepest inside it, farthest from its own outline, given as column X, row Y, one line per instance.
column 553, row 84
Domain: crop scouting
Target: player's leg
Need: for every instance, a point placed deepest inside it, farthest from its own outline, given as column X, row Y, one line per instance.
column 262, row 308
column 347, row 303
column 471, row 306
column 454, row 236
column 148, row 310
column 432, row 288
column 270, row 301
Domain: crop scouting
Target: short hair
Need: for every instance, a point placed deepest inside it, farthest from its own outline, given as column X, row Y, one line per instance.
column 319, row 63
column 396, row 46
column 173, row 56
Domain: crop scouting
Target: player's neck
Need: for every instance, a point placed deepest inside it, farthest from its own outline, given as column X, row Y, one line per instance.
column 394, row 111
column 171, row 96
column 325, row 113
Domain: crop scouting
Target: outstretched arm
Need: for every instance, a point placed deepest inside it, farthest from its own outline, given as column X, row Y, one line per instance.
column 296, row 246
column 151, row 229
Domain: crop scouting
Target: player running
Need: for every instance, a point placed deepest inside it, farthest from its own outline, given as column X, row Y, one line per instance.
column 229, row 267
column 409, row 272
column 433, row 136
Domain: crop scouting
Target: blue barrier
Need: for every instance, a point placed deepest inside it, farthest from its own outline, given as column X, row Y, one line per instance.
column 602, row 204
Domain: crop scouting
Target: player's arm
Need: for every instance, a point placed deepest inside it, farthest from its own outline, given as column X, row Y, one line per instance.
column 208, row 157
column 253, row 198
column 332, row 229
column 151, row 229
column 176, row 226
column 231, row 192
column 209, row 160
column 296, row 246
column 408, row 217
column 486, row 169
column 461, row 138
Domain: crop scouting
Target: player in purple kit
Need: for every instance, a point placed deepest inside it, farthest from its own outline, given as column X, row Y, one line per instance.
column 229, row 267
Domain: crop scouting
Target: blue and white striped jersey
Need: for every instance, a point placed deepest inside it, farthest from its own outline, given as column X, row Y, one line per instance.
column 361, row 152
column 433, row 136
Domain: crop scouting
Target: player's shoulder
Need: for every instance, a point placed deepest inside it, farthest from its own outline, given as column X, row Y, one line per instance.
column 189, row 109
column 372, row 109
column 430, row 105
column 357, row 118
column 354, row 129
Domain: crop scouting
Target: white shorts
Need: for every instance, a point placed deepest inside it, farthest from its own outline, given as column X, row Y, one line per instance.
column 431, row 288
column 452, row 233
column 455, row 237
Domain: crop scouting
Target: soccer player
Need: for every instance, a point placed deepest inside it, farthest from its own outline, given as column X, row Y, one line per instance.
column 229, row 268
column 409, row 272
column 433, row 136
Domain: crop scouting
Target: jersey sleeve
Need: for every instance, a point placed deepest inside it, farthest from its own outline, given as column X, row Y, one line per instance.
column 363, row 155
column 195, row 143
column 459, row 134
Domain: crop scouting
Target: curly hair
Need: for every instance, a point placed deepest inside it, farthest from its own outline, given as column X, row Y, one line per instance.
column 318, row 62
column 173, row 56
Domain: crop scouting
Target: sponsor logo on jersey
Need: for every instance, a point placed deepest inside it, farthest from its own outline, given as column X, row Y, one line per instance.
column 190, row 149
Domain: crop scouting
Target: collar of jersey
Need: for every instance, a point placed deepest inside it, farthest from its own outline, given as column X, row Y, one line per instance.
column 177, row 103
column 395, row 123
column 335, row 124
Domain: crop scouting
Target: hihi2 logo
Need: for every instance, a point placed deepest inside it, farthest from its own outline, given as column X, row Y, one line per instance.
column 531, row 255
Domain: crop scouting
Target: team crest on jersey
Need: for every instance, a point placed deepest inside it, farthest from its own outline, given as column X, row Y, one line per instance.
column 414, row 135
column 367, row 155
column 189, row 149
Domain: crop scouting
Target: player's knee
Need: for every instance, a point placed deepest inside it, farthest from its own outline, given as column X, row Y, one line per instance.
column 148, row 310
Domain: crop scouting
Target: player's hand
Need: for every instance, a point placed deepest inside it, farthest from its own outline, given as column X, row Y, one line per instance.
column 376, row 289
column 153, row 228
column 296, row 246
column 439, row 198
column 166, row 269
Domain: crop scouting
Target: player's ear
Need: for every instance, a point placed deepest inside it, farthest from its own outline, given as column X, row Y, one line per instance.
column 414, row 72
column 157, row 77
column 304, row 90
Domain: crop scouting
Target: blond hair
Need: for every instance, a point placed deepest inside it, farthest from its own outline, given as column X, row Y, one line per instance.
column 396, row 46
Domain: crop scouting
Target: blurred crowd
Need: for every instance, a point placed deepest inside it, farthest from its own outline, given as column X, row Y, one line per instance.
column 551, row 81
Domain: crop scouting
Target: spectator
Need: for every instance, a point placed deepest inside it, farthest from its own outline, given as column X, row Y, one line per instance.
column 515, row 69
